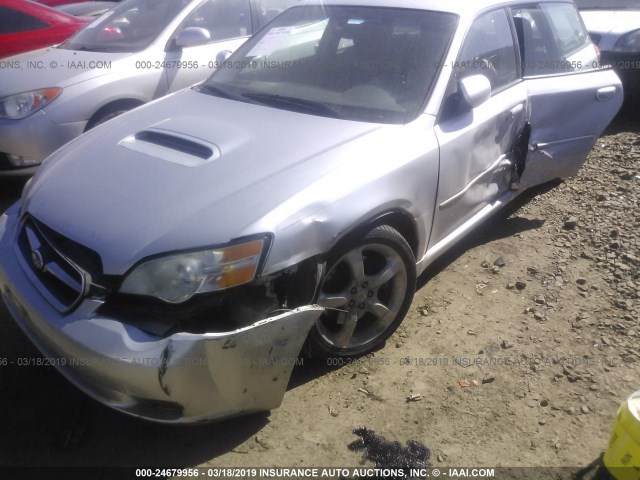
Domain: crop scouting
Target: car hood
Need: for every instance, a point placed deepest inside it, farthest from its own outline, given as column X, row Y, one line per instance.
column 52, row 67
column 127, row 198
column 611, row 21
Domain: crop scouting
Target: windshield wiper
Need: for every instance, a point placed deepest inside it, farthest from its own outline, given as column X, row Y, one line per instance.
column 84, row 48
column 223, row 92
column 295, row 104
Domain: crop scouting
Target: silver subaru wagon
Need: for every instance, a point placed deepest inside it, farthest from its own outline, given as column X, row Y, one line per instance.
column 173, row 261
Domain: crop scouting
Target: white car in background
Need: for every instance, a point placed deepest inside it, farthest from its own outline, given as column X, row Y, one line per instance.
column 136, row 52
column 614, row 26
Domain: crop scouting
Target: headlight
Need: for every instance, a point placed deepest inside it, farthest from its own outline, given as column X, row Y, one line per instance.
column 629, row 43
column 24, row 104
column 176, row 278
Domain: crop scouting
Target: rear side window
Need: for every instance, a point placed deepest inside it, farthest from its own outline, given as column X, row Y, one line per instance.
column 552, row 39
column 567, row 28
column 13, row 21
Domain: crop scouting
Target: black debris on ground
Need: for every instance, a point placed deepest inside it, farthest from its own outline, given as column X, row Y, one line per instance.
column 386, row 454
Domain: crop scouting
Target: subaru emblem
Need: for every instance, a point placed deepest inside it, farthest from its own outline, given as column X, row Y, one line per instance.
column 36, row 258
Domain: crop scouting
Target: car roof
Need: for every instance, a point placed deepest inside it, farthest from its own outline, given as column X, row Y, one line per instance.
column 464, row 8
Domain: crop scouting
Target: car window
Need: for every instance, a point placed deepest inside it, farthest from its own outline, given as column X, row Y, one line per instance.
column 489, row 50
column 13, row 21
column 130, row 26
column 568, row 30
column 548, row 36
column 269, row 9
column 223, row 19
column 360, row 63
column 607, row 4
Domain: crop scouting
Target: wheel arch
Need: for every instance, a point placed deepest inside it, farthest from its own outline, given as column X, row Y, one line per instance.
column 404, row 223
column 122, row 103
column 397, row 218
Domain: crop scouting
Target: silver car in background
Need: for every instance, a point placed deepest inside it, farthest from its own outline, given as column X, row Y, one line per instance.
column 614, row 26
column 173, row 263
column 136, row 52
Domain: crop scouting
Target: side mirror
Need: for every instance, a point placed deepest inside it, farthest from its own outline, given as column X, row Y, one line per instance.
column 222, row 56
column 475, row 89
column 192, row 37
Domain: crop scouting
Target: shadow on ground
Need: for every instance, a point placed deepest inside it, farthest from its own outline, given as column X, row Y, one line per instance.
column 504, row 223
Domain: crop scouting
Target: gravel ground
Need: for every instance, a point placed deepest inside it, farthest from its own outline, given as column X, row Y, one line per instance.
column 519, row 347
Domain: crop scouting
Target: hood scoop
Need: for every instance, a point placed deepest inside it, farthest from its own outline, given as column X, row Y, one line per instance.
column 172, row 147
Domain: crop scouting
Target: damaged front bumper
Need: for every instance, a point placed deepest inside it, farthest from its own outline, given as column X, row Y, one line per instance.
column 182, row 378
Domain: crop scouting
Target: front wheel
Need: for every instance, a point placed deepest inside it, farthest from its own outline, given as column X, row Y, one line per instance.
column 367, row 291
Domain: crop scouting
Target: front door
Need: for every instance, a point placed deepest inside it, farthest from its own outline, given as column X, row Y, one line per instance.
column 476, row 144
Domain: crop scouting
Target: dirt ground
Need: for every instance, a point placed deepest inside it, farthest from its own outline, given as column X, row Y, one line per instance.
column 518, row 349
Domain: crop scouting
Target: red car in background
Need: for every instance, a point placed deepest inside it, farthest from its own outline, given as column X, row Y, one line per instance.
column 55, row 3
column 26, row 26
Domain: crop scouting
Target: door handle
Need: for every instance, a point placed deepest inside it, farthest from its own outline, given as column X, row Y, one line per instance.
column 515, row 111
column 605, row 93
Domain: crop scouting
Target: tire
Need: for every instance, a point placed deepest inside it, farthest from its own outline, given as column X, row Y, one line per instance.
column 367, row 291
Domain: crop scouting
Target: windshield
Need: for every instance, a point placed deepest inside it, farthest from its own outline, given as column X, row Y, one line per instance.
column 358, row 63
column 607, row 4
column 130, row 26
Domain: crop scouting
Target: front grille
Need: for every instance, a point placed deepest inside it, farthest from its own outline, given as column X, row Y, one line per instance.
column 60, row 268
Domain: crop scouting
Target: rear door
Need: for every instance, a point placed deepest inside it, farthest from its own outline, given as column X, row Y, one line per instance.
column 571, row 100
